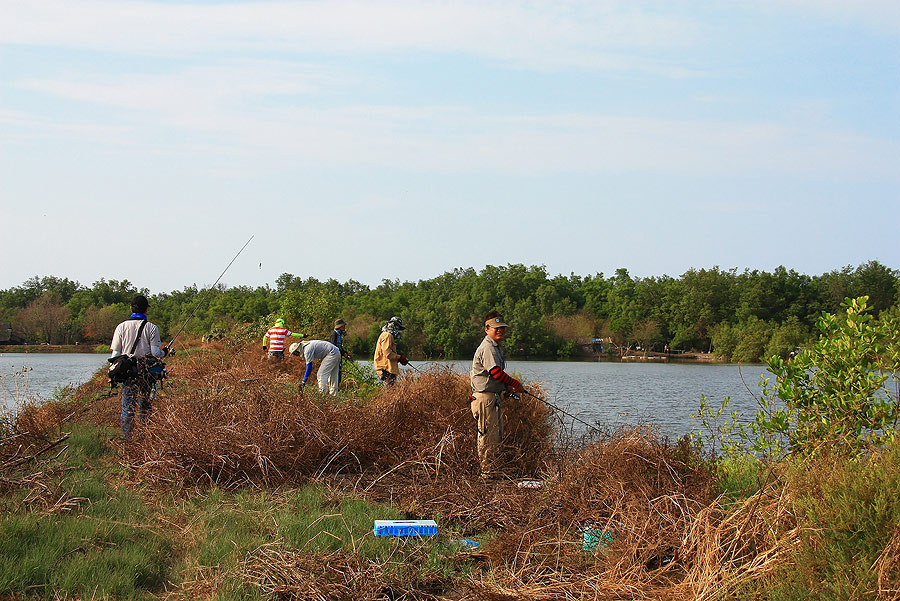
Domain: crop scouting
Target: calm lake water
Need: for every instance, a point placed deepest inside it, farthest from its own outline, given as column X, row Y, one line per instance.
column 663, row 394
column 613, row 394
column 35, row 376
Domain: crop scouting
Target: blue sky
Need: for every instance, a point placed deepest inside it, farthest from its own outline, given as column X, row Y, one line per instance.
column 375, row 140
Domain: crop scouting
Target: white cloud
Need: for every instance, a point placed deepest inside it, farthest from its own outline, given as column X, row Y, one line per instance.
column 211, row 86
column 881, row 15
column 532, row 35
column 235, row 118
column 248, row 115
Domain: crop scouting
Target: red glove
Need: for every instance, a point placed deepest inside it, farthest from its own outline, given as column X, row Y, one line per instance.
column 404, row 360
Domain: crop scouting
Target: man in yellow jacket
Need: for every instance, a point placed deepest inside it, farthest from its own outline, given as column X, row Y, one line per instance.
column 386, row 355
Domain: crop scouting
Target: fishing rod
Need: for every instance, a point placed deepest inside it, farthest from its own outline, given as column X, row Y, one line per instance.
column 199, row 302
column 355, row 366
column 561, row 410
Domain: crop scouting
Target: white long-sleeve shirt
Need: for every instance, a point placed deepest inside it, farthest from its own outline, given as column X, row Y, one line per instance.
column 127, row 331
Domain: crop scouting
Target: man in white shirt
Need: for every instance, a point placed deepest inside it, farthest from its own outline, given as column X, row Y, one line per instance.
column 139, row 334
column 328, row 369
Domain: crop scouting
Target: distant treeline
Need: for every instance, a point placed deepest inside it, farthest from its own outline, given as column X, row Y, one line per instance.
column 745, row 316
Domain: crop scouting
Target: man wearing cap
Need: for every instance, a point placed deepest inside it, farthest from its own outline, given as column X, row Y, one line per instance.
column 141, row 335
column 273, row 341
column 337, row 339
column 489, row 382
column 386, row 355
column 328, row 368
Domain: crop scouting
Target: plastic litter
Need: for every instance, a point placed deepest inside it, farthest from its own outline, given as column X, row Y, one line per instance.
column 405, row 528
column 465, row 542
column 597, row 538
column 530, row 484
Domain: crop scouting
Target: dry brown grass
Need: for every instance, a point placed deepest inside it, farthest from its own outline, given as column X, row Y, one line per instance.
column 888, row 568
column 232, row 419
column 29, row 447
column 337, row 576
column 239, row 420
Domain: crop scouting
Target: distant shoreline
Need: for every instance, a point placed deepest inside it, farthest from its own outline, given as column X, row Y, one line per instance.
column 50, row 348
column 650, row 357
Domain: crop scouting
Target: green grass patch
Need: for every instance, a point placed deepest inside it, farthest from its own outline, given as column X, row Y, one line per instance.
column 308, row 521
column 741, row 477
column 90, row 539
column 83, row 554
column 232, row 526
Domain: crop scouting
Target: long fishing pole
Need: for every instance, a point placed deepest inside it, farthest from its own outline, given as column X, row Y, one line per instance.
column 355, row 366
column 199, row 302
column 561, row 410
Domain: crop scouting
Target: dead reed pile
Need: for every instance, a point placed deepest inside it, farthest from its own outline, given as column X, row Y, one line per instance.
column 888, row 568
column 649, row 510
column 654, row 524
column 630, row 495
column 290, row 575
column 239, row 421
column 729, row 546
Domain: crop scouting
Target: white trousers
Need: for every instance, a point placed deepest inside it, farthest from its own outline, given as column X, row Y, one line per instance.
column 328, row 374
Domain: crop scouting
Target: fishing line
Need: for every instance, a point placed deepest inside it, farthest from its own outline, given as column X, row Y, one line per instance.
column 563, row 411
column 206, row 292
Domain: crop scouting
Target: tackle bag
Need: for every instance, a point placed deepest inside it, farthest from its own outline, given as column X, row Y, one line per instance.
column 122, row 369
column 128, row 368
column 151, row 368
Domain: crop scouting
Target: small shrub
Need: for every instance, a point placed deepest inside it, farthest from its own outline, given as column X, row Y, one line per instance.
column 830, row 395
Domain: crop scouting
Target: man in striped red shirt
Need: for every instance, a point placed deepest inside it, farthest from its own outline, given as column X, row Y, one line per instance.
column 273, row 341
column 489, row 382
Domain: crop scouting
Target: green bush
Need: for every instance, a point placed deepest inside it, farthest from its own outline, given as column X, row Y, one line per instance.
column 724, row 340
column 831, row 394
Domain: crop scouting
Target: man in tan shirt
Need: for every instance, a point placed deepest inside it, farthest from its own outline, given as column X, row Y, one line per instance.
column 489, row 382
column 386, row 355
